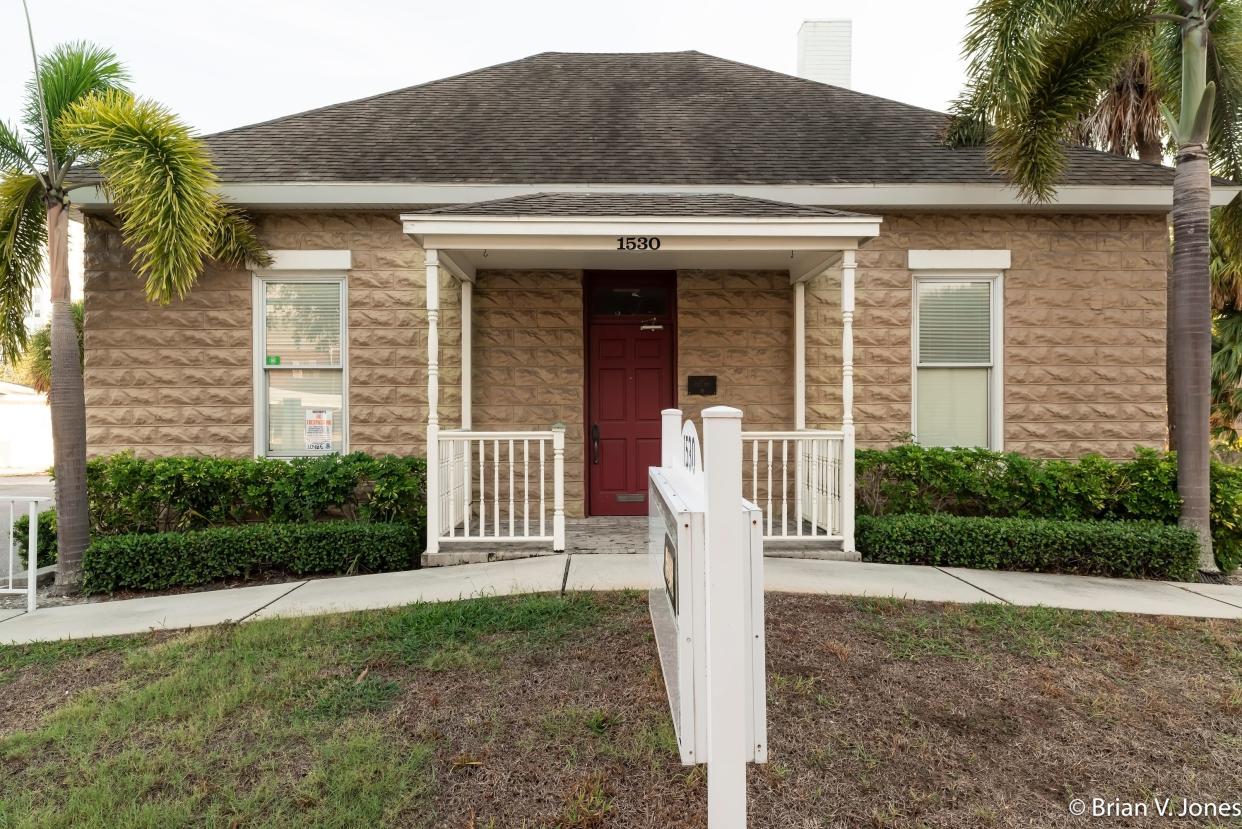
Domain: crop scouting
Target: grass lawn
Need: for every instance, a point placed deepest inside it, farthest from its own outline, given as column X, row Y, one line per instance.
column 548, row 712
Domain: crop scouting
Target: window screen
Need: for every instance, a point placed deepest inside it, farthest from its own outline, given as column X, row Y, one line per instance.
column 303, row 367
column 954, row 370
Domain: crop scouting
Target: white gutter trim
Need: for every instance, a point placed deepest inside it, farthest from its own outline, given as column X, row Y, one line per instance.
column 955, row 196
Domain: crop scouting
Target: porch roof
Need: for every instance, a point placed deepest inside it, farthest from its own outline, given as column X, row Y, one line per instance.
column 630, row 205
column 669, row 230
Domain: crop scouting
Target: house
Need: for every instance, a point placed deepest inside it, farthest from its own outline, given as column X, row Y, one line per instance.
column 516, row 269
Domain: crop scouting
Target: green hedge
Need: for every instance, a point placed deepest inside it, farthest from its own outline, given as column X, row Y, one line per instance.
column 129, row 494
column 1129, row 549
column 159, row 561
column 46, row 541
column 977, row 482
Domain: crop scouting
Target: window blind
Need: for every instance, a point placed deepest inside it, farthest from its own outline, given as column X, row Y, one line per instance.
column 955, row 323
column 303, row 322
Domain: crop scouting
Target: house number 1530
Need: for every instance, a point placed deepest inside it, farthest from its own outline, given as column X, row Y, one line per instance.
column 638, row 243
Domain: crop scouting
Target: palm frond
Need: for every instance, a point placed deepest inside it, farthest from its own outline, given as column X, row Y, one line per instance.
column 1092, row 42
column 1127, row 117
column 160, row 179
column 235, row 241
column 36, row 365
column 1002, row 48
column 14, row 154
column 1225, row 243
column 1225, row 70
column 23, row 239
column 1227, row 376
column 69, row 73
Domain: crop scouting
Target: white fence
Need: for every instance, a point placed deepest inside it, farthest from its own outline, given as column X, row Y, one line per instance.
column 501, row 486
column 32, row 547
column 797, row 479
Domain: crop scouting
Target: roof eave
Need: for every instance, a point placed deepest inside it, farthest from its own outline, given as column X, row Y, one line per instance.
column 865, row 196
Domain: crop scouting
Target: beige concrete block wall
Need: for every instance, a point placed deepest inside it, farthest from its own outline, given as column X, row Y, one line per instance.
column 177, row 379
column 1084, row 327
column 737, row 325
column 164, row 380
column 1084, row 352
column 530, row 367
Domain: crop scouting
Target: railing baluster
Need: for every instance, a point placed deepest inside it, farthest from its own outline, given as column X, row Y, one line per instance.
column 814, row 486
column 542, row 526
column 12, row 552
column 468, row 486
column 800, row 463
column 496, row 487
column 526, row 487
column 511, row 516
column 754, row 471
column 482, row 488
column 452, row 479
column 785, row 486
column 769, row 510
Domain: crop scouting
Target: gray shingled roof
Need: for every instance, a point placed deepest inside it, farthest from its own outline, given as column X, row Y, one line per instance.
column 713, row 205
column 661, row 118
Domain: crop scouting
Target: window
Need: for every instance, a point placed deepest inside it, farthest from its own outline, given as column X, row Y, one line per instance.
column 300, row 362
column 956, row 367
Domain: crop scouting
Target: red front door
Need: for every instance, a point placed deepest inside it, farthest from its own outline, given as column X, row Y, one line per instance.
column 630, row 379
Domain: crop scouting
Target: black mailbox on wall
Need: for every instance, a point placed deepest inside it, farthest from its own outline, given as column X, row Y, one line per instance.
column 703, row 384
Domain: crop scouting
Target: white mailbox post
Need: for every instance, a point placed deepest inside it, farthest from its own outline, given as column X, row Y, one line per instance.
column 706, row 602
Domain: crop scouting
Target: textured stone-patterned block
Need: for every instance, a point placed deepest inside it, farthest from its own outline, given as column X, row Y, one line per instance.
column 1084, row 339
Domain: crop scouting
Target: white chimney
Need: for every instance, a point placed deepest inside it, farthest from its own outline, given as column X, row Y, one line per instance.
column 824, row 51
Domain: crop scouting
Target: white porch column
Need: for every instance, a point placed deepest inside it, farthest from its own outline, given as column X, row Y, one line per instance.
column 799, row 356
column 848, row 261
column 467, row 354
column 433, row 401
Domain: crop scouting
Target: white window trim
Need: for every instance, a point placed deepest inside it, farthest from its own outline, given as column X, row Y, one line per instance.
column 259, row 338
column 996, row 377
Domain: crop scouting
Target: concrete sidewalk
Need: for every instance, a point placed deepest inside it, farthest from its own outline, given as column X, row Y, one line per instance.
column 608, row 572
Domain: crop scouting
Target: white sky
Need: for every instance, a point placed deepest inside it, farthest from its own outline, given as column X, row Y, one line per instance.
column 225, row 63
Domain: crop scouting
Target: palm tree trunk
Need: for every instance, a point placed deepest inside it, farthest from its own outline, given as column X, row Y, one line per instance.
column 68, row 404
column 1190, row 330
column 1150, row 150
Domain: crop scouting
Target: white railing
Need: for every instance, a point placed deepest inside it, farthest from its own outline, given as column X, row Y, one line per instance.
column 501, row 486
column 796, row 478
column 32, row 549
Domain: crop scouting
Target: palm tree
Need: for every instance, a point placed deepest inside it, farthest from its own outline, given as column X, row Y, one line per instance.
column 1226, row 335
column 1037, row 69
column 160, row 180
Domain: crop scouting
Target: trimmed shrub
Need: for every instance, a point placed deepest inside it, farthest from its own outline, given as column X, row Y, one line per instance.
column 129, row 494
column 46, row 541
column 1128, row 549
column 1227, row 515
column 977, row 482
column 159, row 561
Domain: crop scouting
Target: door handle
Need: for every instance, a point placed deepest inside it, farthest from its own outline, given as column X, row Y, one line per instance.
column 595, row 443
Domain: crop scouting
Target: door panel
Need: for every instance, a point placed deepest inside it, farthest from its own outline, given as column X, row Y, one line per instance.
column 629, row 381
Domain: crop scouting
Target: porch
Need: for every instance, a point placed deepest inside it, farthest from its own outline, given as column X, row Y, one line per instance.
column 545, row 449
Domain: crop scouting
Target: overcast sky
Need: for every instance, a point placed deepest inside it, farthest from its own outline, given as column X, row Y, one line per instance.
column 225, row 63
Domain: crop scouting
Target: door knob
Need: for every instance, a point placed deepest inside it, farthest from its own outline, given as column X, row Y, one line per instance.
column 594, row 443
